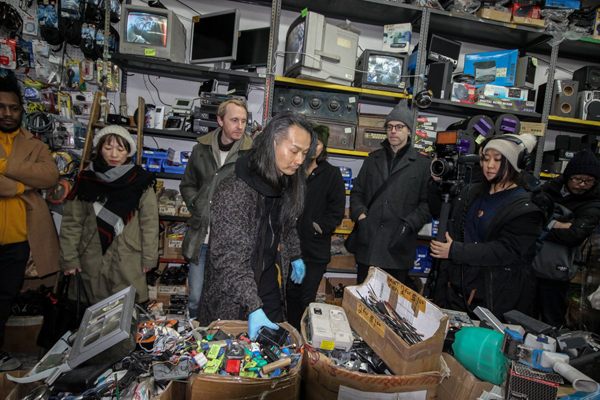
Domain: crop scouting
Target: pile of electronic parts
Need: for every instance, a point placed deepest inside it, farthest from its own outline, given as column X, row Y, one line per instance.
column 122, row 351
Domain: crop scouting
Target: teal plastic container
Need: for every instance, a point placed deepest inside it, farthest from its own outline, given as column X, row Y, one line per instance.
column 479, row 351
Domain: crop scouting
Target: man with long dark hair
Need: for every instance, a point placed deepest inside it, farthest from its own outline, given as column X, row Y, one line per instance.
column 25, row 222
column 253, row 236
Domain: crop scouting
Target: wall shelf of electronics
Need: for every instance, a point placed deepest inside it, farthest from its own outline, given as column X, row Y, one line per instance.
column 494, row 90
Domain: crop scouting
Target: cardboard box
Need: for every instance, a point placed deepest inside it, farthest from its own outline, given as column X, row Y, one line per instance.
column 183, row 211
column 505, row 104
column 504, row 92
column 525, row 11
column 6, row 385
column 573, row 4
column 220, row 387
column 344, row 262
column 463, row 93
column 167, row 210
column 323, row 380
column 174, row 391
column 331, row 283
column 21, row 333
column 425, row 316
column 461, row 384
column 396, row 38
column 533, row 22
column 496, row 15
column 534, row 128
column 172, row 246
column 492, row 67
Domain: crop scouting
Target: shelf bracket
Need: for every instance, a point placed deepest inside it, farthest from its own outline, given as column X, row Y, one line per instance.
column 271, row 60
column 421, row 60
column 546, row 110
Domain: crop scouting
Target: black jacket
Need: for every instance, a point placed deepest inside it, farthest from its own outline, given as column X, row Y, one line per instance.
column 506, row 253
column 380, row 241
column 585, row 207
column 325, row 205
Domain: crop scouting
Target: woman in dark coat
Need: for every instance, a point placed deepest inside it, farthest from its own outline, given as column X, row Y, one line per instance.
column 491, row 236
column 324, row 210
column 253, row 237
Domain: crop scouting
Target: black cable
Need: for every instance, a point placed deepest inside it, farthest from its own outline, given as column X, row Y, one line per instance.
column 150, row 93
column 157, row 93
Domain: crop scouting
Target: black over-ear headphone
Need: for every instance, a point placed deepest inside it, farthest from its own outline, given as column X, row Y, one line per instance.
column 524, row 157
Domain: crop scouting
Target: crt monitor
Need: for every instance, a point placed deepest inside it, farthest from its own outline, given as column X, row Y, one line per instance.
column 252, row 49
column 317, row 50
column 214, row 37
column 152, row 32
column 381, row 70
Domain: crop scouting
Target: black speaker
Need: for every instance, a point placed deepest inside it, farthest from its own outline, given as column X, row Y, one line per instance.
column 564, row 98
column 442, row 49
column 589, row 105
column 439, row 79
column 314, row 103
column 525, row 76
column 588, row 77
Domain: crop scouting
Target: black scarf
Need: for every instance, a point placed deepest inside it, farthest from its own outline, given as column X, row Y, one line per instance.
column 116, row 192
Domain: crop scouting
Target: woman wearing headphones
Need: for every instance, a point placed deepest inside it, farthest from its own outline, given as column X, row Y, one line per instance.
column 492, row 229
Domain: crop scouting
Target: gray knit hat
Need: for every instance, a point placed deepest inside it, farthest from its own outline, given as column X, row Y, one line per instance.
column 119, row 131
column 401, row 113
column 511, row 150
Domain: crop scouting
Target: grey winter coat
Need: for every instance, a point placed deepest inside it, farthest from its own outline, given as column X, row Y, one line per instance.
column 381, row 242
column 198, row 185
column 134, row 249
column 230, row 289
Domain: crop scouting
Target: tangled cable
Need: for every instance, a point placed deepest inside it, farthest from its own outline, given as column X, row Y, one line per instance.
column 10, row 20
column 40, row 123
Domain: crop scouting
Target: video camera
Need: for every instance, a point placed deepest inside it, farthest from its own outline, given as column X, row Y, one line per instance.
column 454, row 156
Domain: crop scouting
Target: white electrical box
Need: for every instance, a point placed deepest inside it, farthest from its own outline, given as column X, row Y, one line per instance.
column 329, row 328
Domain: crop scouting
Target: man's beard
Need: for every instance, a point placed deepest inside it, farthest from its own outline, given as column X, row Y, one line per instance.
column 10, row 129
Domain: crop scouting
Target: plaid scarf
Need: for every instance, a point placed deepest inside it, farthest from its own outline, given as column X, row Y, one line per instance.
column 115, row 193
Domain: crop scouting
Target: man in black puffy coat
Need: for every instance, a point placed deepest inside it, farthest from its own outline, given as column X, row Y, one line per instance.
column 577, row 190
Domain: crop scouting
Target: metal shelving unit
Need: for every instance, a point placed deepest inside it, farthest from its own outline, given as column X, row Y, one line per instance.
column 573, row 125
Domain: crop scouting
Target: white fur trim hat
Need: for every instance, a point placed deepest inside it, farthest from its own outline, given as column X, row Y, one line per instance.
column 510, row 149
column 119, row 131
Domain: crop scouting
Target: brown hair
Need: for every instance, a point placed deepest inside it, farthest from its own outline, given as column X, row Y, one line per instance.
column 223, row 107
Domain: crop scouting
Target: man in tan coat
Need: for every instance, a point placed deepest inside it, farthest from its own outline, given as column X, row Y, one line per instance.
column 25, row 222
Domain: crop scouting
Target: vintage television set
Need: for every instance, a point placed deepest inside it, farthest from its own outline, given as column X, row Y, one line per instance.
column 317, row 50
column 154, row 32
column 252, row 49
column 381, row 70
column 214, row 37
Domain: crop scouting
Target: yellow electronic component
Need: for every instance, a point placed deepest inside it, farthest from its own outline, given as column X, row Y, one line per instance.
column 64, row 162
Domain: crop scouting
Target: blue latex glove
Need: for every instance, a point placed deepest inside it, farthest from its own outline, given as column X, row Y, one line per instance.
column 298, row 271
column 256, row 320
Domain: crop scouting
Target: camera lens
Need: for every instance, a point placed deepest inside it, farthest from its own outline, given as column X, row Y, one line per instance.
column 441, row 167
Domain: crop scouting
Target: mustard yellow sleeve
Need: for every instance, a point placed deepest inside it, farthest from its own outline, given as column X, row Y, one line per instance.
column 2, row 165
column 20, row 188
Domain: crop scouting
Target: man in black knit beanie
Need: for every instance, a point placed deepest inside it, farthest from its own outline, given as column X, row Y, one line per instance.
column 577, row 190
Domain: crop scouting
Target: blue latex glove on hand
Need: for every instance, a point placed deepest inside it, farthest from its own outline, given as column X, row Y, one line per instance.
column 298, row 271
column 256, row 320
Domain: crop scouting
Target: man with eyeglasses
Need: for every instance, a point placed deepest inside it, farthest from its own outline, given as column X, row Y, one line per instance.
column 389, row 217
column 577, row 190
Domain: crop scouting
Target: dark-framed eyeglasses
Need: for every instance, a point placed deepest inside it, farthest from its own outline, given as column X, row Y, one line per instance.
column 579, row 181
column 397, row 127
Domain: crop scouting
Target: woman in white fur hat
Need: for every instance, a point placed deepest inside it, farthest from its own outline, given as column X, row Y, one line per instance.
column 109, row 230
column 491, row 236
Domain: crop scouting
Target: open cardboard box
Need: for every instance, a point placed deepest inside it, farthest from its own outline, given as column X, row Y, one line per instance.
column 220, row 387
column 461, row 384
column 426, row 317
column 324, row 380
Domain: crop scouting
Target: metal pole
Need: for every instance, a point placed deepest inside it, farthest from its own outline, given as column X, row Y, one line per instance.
column 271, row 60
